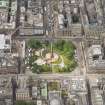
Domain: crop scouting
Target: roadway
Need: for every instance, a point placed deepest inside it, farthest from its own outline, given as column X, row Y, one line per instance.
column 44, row 76
column 44, row 37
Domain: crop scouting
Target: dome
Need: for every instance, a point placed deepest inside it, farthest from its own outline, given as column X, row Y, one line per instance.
column 55, row 102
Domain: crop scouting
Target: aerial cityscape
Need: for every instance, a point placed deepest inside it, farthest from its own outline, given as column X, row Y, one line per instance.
column 52, row 52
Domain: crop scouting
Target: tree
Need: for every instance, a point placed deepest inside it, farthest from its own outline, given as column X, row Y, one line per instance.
column 59, row 45
column 36, row 68
column 34, row 44
column 32, row 59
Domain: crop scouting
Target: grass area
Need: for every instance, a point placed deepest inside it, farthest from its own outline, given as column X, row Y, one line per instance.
column 64, row 49
column 56, row 69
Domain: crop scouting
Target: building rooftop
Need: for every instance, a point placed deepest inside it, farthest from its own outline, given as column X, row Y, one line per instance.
column 4, row 3
column 55, row 102
column 96, row 49
column 2, row 41
column 78, row 85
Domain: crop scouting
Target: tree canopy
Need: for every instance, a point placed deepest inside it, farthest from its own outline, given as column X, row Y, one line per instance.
column 34, row 44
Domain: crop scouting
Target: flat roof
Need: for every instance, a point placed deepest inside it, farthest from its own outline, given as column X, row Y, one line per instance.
column 44, row 90
column 55, row 102
column 39, row 102
column 2, row 41
column 96, row 50
column 4, row 3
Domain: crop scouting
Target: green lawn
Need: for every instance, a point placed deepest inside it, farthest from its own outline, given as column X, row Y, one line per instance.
column 65, row 51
